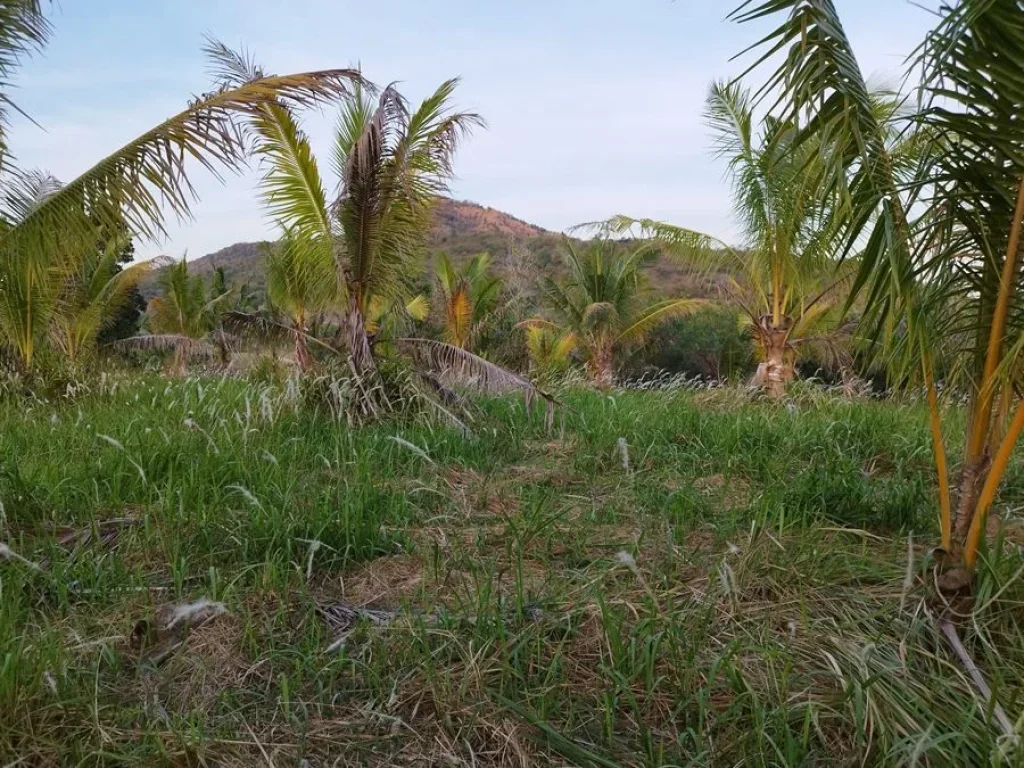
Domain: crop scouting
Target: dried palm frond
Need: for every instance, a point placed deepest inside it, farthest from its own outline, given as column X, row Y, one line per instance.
column 167, row 341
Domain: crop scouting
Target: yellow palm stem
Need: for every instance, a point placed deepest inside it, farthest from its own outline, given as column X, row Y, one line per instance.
column 982, row 415
column 941, row 466
column 988, row 491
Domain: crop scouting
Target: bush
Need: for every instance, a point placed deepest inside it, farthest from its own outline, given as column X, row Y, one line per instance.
column 709, row 344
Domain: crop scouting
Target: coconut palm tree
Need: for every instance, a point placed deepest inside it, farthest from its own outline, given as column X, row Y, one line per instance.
column 940, row 251
column 303, row 284
column 46, row 227
column 786, row 286
column 549, row 350
column 390, row 164
column 468, row 297
column 184, row 317
column 604, row 303
column 90, row 298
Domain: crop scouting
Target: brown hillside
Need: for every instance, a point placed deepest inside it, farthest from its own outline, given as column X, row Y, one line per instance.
column 459, row 217
column 462, row 229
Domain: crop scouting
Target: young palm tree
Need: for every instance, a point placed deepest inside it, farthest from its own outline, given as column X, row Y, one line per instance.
column 303, row 284
column 183, row 317
column 391, row 165
column 604, row 304
column 91, row 297
column 549, row 350
column 787, row 287
column 46, row 228
column 468, row 297
column 941, row 258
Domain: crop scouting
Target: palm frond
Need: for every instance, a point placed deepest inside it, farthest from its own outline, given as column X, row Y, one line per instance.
column 24, row 30
column 656, row 314
column 292, row 189
column 463, row 366
column 165, row 342
column 138, row 183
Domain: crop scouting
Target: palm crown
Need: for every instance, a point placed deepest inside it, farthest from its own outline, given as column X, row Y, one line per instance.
column 468, row 297
column 605, row 303
column 390, row 165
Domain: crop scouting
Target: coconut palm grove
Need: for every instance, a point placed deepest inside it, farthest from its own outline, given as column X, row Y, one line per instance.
column 416, row 482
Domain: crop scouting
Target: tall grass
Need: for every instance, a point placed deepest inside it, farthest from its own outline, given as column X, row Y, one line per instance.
column 742, row 590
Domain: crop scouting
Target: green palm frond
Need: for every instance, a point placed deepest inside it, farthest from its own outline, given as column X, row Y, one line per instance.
column 24, row 30
column 300, row 281
column 93, row 291
column 292, row 189
column 138, row 184
column 656, row 314
column 818, row 75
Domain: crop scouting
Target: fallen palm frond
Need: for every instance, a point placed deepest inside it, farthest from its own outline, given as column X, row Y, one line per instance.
column 164, row 342
column 988, row 702
column 459, row 365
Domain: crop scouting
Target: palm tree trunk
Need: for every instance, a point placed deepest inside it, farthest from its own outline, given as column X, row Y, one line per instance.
column 302, row 356
column 972, row 477
column 359, row 350
column 178, row 360
column 602, row 366
column 775, row 373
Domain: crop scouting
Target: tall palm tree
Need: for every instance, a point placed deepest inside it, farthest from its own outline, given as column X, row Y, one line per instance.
column 604, row 303
column 787, row 288
column 45, row 226
column 468, row 297
column 940, row 258
column 390, row 164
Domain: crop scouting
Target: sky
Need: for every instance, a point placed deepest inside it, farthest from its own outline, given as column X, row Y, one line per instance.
column 594, row 107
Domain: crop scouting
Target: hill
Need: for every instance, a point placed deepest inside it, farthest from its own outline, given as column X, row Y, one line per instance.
column 462, row 229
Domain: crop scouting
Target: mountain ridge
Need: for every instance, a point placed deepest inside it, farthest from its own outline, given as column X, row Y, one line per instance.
column 461, row 229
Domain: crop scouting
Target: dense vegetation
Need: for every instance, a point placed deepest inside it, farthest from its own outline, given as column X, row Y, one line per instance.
column 307, row 521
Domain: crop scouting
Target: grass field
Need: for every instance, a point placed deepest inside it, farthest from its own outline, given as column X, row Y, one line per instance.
column 688, row 578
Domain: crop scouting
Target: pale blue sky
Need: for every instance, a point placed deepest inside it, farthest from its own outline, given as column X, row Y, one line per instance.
column 594, row 106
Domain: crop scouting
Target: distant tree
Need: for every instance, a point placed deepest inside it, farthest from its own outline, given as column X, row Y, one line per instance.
column 605, row 303
column 468, row 297
column 184, row 316
column 711, row 343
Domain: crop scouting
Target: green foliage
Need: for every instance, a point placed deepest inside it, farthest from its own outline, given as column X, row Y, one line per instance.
column 605, row 303
column 710, row 344
column 468, row 298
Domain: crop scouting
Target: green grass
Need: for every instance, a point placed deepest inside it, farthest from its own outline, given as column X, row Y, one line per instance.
column 738, row 596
